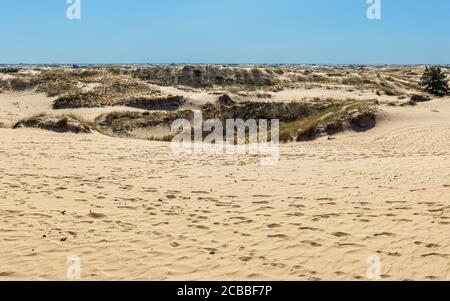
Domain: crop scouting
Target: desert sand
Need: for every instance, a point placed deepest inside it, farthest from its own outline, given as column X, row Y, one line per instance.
column 133, row 210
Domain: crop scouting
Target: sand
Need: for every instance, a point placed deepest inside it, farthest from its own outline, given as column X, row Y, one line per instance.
column 133, row 210
column 16, row 106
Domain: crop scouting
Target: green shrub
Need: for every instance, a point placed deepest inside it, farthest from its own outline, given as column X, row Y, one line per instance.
column 9, row 70
column 434, row 81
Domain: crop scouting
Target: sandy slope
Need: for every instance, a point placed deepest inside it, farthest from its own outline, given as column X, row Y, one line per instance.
column 131, row 209
column 15, row 106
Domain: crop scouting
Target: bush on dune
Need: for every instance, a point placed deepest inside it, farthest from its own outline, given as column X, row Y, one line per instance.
column 434, row 81
column 60, row 124
column 9, row 70
column 300, row 121
column 22, row 84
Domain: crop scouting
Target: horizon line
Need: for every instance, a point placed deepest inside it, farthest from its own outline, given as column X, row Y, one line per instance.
column 218, row 63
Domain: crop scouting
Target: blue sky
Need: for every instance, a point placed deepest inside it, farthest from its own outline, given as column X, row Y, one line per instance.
column 225, row 31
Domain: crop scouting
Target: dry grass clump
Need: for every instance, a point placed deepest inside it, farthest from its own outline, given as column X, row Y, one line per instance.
column 404, row 82
column 384, row 81
column 299, row 121
column 274, row 70
column 119, row 70
column 60, row 124
column 64, row 82
column 388, row 89
column 313, row 78
column 207, row 76
column 57, row 88
column 19, row 84
column 75, row 75
column 122, row 123
column 76, row 100
column 54, row 82
column 84, row 121
column 357, row 81
column 285, row 112
column 166, row 103
column 109, row 94
column 341, row 115
column 4, row 85
column 391, row 85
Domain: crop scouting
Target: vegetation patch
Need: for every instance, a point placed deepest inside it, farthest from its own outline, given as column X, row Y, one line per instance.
column 60, row 87
column 207, row 76
column 19, row 84
column 166, row 103
column 285, row 112
column 341, row 115
column 60, row 124
column 435, row 81
column 109, row 94
column 9, row 70
column 123, row 123
column 299, row 121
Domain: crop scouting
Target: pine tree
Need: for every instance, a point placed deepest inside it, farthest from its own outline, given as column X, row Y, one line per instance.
column 434, row 81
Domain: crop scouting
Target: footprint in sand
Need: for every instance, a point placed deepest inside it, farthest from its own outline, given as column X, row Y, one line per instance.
column 384, row 234
column 340, row 234
column 436, row 255
column 311, row 243
column 260, row 202
column 174, row 244
column 200, row 227
column 325, row 199
column 159, row 224
column 272, row 226
column 246, row 259
column 426, row 245
column 350, row 244
column 6, row 274
column 308, row 228
column 393, row 254
column 278, row 236
column 211, row 251
column 96, row 215
column 418, row 189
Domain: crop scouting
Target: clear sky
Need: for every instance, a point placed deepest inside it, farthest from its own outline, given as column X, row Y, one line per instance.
column 225, row 31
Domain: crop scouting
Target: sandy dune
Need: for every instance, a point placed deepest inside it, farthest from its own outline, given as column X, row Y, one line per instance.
column 131, row 209
column 16, row 106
